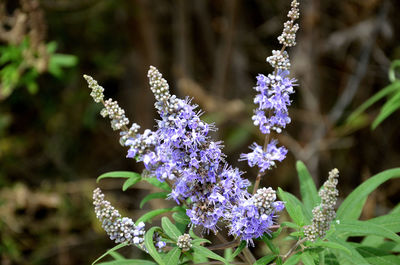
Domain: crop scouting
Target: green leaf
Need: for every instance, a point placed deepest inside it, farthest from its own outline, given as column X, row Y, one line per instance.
column 363, row 228
column 199, row 241
column 131, row 181
column 293, row 206
column 389, row 221
column 293, row 260
column 239, row 249
column 352, row 206
column 192, row 234
column 170, row 229
column 150, row 215
column 118, row 174
column 308, row 191
column 384, row 92
column 148, row 241
column 129, row 262
column 172, row 256
column 388, row 108
column 207, row 253
column 265, row 260
column 329, row 244
column 355, row 257
column 392, row 70
column 109, row 251
column 307, row 259
column 181, row 217
column 376, row 256
column 151, row 196
column 270, row 244
column 116, row 255
column 158, row 184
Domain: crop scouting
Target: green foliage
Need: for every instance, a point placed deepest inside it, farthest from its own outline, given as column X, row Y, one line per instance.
column 21, row 64
column 391, row 92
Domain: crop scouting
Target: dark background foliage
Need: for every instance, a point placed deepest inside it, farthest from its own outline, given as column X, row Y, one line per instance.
column 53, row 142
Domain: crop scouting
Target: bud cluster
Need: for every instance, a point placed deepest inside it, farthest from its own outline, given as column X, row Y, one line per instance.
column 97, row 90
column 325, row 212
column 264, row 199
column 184, row 242
column 115, row 113
column 288, row 36
column 120, row 229
column 279, row 60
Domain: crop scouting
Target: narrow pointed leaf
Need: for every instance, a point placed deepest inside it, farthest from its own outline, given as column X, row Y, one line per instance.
column 265, row 260
column 148, row 241
column 172, row 257
column 147, row 217
column 109, row 251
column 151, row 196
column 155, row 182
column 307, row 259
column 352, row 206
column 170, row 229
column 128, row 262
column 131, row 181
column 239, row 249
column 118, row 174
column 207, row 253
column 308, row 191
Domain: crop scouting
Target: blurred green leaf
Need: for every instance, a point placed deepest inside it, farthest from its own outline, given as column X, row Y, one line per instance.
column 110, row 250
column 172, row 257
column 128, row 262
column 265, row 260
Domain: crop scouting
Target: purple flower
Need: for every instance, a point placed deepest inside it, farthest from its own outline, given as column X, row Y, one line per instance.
column 264, row 159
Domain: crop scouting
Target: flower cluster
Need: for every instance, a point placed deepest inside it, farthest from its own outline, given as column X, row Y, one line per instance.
column 273, row 99
column 184, row 242
column 254, row 216
column 325, row 212
column 181, row 151
column 120, row 229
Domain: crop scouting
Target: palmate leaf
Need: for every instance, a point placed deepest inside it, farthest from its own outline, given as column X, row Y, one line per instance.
column 352, row 206
column 308, row 191
column 148, row 241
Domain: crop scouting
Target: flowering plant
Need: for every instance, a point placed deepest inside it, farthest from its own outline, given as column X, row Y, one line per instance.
column 182, row 159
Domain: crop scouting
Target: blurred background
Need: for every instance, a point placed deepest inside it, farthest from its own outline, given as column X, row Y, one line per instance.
column 54, row 143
